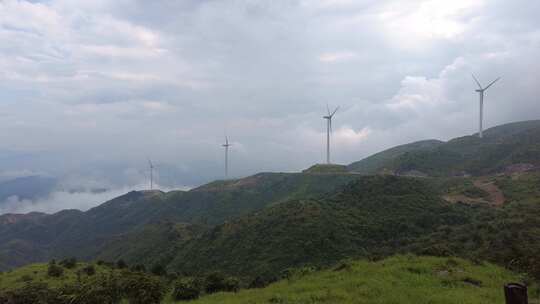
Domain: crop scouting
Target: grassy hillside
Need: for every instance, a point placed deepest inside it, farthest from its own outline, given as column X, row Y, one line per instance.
column 401, row 279
column 515, row 143
column 37, row 273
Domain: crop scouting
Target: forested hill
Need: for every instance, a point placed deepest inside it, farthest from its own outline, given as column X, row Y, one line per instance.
column 37, row 237
column 500, row 148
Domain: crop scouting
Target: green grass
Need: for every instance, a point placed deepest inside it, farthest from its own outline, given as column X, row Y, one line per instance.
column 400, row 279
column 14, row 279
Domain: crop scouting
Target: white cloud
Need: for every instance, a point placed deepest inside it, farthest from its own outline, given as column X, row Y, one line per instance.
column 337, row 56
column 105, row 83
column 348, row 136
column 60, row 200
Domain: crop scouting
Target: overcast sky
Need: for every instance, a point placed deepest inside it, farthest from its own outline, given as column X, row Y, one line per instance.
column 90, row 88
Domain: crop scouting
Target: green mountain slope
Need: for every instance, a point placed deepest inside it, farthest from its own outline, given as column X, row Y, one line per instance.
column 372, row 216
column 502, row 146
column 402, row 279
column 383, row 160
column 84, row 234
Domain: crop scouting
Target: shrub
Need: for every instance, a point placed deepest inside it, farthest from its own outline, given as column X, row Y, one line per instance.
column 33, row 293
column 158, row 270
column 25, row 278
column 89, row 270
column 138, row 268
column 120, row 264
column 186, row 289
column 99, row 289
column 54, row 270
column 260, row 282
column 68, row 263
column 216, row 282
column 232, row 284
column 139, row 288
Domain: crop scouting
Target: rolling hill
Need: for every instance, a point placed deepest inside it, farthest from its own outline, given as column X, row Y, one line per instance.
column 501, row 147
column 32, row 238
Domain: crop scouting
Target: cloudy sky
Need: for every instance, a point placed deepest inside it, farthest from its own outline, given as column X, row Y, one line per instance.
column 90, row 88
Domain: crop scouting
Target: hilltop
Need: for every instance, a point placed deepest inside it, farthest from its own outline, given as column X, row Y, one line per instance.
column 500, row 149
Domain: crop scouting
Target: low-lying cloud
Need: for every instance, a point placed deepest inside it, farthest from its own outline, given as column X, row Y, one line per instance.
column 60, row 200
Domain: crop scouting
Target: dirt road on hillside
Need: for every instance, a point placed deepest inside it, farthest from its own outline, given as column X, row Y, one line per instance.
column 496, row 196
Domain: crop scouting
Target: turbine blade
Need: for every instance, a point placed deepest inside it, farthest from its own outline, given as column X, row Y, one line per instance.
column 335, row 111
column 492, row 83
column 328, row 109
column 477, row 82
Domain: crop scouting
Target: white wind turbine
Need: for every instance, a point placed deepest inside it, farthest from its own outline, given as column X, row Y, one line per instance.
column 226, row 146
column 328, row 131
column 481, row 91
column 151, row 174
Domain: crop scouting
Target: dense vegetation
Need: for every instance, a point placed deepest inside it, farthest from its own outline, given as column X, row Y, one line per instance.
column 87, row 234
column 400, row 279
column 374, row 216
column 501, row 147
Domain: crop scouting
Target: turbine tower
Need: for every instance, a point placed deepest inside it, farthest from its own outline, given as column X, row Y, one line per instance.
column 481, row 91
column 226, row 146
column 328, row 131
column 151, row 174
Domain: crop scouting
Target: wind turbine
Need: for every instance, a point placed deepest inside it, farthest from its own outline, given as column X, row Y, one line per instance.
column 328, row 131
column 481, row 91
column 226, row 146
column 151, row 174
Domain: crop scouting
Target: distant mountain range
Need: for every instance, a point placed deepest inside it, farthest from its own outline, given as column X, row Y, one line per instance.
column 268, row 222
column 27, row 187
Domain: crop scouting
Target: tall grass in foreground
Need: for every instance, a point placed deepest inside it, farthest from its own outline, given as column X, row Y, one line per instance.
column 399, row 280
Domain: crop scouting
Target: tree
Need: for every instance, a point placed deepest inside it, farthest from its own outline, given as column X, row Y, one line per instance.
column 54, row 270
column 98, row 289
column 35, row 293
column 89, row 270
column 158, row 270
column 68, row 263
column 140, row 288
column 120, row 264
column 216, row 282
column 186, row 289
